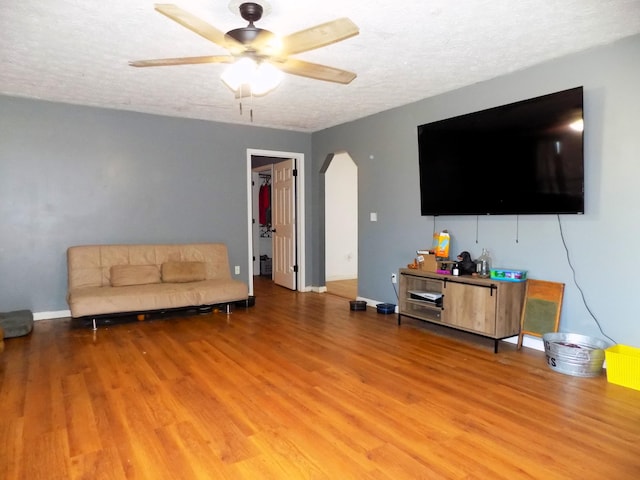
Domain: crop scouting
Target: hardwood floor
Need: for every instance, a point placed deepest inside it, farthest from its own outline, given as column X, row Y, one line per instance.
column 343, row 288
column 299, row 386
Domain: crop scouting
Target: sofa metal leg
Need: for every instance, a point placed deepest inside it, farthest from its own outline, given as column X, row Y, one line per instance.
column 227, row 309
column 94, row 324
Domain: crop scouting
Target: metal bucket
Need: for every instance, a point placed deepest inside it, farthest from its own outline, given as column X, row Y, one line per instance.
column 574, row 354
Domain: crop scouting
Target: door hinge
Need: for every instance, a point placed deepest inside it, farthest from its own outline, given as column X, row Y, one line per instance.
column 295, row 172
column 295, row 268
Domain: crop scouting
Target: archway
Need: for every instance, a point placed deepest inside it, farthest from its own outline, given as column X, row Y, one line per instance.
column 341, row 225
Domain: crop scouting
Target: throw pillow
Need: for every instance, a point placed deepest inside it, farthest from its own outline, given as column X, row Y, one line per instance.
column 181, row 272
column 124, row 275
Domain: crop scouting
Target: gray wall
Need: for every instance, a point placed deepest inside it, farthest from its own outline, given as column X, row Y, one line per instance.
column 74, row 175
column 602, row 244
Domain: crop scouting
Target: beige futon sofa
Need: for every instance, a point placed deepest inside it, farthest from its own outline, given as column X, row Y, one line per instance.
column 109, row 279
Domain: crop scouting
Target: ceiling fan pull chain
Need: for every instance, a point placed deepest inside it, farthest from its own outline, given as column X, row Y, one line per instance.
column 251, row 99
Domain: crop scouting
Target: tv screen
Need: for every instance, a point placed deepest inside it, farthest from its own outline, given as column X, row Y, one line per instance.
column 521, row 158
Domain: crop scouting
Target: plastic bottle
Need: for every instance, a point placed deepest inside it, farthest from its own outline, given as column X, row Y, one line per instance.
column 484, row 264
column 455, row 271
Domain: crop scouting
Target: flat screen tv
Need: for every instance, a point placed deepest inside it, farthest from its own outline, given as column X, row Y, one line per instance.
column 521, row 158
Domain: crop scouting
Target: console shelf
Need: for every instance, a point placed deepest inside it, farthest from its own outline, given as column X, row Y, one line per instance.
column 481, row 306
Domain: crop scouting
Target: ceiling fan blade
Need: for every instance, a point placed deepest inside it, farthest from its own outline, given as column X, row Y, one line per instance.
column 319, row 36
column 314, row 70
column 265, row 44
column 163, row 62
column 198, row 26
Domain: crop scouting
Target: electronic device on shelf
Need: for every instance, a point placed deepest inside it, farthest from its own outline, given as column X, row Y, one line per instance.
column 431, row 297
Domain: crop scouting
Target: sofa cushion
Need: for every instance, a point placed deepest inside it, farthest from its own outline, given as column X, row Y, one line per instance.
column 125, row 275
column 159, row 296
column 182, row 272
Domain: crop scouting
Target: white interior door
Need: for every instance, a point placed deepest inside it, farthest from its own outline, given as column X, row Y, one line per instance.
column 283, row 213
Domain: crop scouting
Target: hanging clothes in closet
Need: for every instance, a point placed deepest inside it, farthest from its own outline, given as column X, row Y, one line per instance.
column 264, row 202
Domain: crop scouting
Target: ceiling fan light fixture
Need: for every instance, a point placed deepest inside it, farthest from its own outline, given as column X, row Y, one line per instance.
column 260, row 77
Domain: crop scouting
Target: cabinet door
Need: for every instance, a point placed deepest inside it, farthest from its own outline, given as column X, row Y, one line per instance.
column 470, row 307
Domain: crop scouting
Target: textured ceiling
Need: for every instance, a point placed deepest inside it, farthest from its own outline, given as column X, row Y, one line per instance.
column 75, row 51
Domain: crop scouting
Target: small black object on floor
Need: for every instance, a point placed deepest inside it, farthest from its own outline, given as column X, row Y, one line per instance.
column 358, row 305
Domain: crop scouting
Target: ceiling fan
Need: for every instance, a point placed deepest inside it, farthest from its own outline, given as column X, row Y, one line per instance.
column 261, row 47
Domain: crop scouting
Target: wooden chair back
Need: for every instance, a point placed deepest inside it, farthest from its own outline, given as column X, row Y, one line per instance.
column 541, row 309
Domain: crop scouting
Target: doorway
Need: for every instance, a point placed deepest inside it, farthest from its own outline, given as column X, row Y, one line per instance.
column 262, row 244
column 296, row 267
column 341, row 225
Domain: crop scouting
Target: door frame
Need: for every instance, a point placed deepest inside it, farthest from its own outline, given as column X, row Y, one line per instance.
column 300, row 214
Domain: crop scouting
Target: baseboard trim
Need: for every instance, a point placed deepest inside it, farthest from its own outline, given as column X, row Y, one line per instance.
column 529, row 342
column 51, row 315
column 370, row 302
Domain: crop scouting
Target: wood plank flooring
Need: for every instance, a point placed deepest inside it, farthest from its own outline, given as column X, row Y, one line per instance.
column 343, row 288
column 300, row 387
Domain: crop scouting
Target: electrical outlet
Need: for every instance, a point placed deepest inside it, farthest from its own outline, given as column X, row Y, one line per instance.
column 237, row 269
column 394, row 278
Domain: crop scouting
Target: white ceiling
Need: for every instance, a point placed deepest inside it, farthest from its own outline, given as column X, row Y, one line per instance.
column 76, row 51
